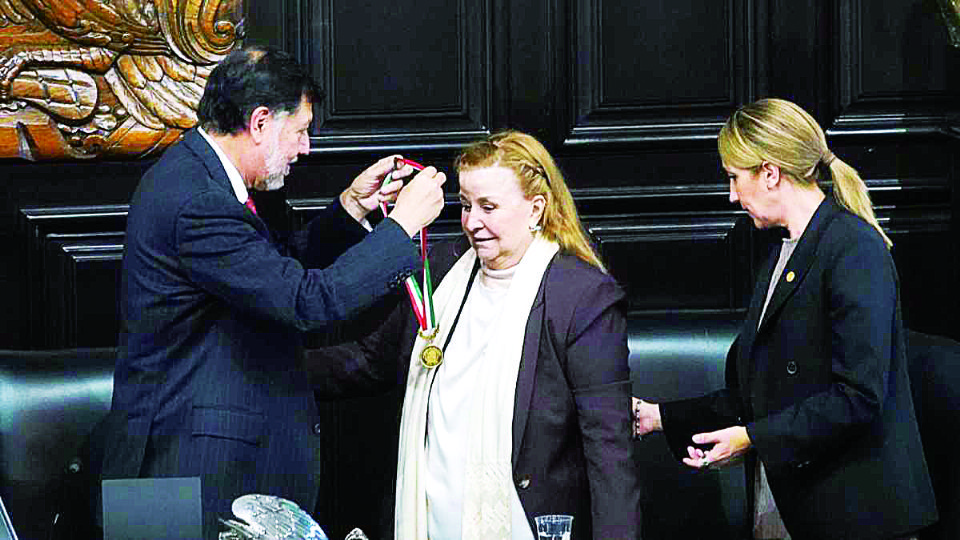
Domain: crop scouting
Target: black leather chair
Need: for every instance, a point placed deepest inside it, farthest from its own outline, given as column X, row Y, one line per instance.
column 934, row 364
column 677, row 357
column 50, row 402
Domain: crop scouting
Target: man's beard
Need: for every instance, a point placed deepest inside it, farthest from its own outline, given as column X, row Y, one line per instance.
column 277, row 166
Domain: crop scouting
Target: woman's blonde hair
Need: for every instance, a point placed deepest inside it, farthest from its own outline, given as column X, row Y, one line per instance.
column 538, row 175
column 779, row 132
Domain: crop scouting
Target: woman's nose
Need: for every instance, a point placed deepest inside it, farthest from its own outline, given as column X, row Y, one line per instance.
column 471, row 222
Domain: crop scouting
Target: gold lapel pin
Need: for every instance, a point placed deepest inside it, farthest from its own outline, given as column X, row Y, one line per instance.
column 790, row 277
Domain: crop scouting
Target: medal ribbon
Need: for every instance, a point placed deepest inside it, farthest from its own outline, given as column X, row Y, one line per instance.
column 420, row 299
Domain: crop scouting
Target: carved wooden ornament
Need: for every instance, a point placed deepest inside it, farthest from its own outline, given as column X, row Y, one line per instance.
column 115, row 79
column 951, row 15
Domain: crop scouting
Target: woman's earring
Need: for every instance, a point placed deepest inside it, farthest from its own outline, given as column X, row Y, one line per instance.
column 534, row 228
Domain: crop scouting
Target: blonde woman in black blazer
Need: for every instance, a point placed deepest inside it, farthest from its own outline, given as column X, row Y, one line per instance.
column 817, row 396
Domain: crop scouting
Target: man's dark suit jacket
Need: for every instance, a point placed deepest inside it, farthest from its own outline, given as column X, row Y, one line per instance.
column 822, row 387
column 572, row 446
column 207, row 380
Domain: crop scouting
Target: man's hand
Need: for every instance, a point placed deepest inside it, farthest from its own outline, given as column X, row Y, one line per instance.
column 728, row 444
column 420, row 201
column 646, row 418
column 365, row 192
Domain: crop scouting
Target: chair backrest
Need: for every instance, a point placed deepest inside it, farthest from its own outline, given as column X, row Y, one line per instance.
column 677, row 357
column 934, row 364
column 49, row 403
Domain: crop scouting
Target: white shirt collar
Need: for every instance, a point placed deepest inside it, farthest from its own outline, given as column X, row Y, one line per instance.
column 232, row 173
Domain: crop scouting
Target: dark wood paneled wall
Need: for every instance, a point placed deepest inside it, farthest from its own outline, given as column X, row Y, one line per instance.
column 628, row 96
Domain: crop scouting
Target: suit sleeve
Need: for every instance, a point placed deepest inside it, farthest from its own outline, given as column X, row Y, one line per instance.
column 861, row 304
column 223, row 253
column 376, row 356
column 369, row 365
column 599, row 374
column 329, row 235
column 325, row 237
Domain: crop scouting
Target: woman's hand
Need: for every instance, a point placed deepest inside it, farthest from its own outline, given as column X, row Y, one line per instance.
column 728, row 445
column 646, row 418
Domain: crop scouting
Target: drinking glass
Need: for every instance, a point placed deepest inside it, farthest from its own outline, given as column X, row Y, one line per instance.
column 554, row 526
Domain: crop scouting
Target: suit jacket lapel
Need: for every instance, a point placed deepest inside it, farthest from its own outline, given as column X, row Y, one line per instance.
column 749, row 333
column 528, row 368
column 791, row 278
column 800, row 261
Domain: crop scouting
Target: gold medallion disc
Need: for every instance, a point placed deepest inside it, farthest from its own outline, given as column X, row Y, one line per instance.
column 431, row 356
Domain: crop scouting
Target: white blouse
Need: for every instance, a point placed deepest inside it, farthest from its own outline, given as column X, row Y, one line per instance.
column 451, row 400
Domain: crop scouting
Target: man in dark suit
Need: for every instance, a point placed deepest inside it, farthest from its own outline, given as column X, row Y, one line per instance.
column 208, row 380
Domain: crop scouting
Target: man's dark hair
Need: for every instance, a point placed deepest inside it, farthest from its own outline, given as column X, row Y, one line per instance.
column 251, row 78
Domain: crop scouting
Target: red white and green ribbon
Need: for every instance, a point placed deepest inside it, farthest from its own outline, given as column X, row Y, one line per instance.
column 421, row 299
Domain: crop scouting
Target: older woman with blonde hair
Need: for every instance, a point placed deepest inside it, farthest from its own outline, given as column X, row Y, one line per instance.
column 517, row 400
column 817, row 396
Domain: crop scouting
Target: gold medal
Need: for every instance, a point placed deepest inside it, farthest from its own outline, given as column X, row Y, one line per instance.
column 431, row 356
